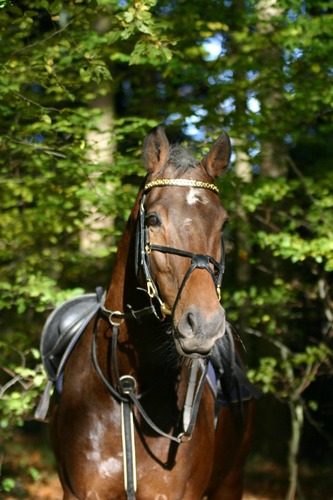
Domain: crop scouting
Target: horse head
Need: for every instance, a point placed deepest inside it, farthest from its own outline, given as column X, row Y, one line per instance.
column 180, row 249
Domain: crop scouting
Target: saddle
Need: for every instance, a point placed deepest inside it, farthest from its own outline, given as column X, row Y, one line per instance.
column 63, row 328
column 61, row 331
column 67, row 322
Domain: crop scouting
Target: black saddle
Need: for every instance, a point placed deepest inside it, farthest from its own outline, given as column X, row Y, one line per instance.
column 62, row 330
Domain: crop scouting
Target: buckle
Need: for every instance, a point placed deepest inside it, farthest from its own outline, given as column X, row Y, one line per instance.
column 151, row 289
column 127, row 384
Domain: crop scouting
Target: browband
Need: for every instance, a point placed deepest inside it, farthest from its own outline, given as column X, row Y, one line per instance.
column 180, row 183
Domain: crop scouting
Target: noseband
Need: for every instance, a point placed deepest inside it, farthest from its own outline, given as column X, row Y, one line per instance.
column 144, row 248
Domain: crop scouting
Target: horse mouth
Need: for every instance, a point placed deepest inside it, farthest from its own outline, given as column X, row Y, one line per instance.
column 193, row 349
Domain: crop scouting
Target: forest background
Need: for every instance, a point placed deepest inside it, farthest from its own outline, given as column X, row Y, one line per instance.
column 81, row 84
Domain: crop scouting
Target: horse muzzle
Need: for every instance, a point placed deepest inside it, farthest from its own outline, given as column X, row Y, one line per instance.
column 196, row 333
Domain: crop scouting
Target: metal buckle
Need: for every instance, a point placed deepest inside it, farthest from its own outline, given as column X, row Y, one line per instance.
column 164, row 310
column 115, row 313
column 127, row 384
column 151, row 289
column 183, row 438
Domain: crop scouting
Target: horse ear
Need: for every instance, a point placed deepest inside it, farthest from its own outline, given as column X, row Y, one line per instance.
column 155, row 149
column 217, row 160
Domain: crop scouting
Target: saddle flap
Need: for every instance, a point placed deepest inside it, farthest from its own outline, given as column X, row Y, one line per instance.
column 64, row 325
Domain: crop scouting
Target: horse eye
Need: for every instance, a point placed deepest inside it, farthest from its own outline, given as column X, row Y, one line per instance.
column 225, row 223
column 152, row 220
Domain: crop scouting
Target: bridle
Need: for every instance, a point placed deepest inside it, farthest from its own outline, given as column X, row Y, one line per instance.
column 143, row 249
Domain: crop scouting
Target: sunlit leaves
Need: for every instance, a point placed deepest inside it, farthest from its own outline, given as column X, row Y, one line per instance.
column 22, row 380
column 297, row 225
column 288, row 374
column 296, row 249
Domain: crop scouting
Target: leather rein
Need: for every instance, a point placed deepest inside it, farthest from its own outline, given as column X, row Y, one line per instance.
column 125, row 386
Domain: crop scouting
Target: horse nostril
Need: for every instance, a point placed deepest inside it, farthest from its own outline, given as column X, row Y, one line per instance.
column 189, row 324
column 191, row 321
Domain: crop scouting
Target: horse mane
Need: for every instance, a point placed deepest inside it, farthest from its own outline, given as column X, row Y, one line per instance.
column 181, row 158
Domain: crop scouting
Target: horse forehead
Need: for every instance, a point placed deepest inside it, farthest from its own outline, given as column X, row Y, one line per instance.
column 182, row 205
column 182, row 198
column 195, row 196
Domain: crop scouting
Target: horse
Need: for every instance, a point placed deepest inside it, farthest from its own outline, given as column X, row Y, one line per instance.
column 137, row 416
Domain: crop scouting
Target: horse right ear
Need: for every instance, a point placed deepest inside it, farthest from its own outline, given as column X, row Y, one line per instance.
column 217, row 160
column 155, row 149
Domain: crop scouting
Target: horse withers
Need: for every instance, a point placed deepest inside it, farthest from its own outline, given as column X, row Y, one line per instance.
column 137, row 416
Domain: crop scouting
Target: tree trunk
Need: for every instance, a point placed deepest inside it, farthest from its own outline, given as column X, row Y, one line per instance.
column 100, row 152
column 297, row 421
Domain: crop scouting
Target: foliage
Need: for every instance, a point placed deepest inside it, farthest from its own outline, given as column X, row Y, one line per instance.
column 22, row 388
column 260, row 70
column 289, row 374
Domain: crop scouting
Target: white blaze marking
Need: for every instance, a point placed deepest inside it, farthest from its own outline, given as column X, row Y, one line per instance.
column 194, row 196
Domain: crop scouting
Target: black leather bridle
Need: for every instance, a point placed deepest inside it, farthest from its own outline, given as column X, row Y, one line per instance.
column 143, row 249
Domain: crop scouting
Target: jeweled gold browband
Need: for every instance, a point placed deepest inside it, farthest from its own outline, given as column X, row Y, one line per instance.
column 180, row 183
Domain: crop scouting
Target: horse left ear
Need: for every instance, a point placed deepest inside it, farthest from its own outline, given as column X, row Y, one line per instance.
column 155, row 149
column 217, row 160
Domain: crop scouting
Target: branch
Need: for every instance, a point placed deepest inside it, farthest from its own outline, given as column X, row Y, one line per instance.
column 36, row 103
column 310, row 371
column 301, row 178
column 323, row 292
column 317, row 425
column 11, row 382
column 38, row 148
column 275, row 342
column 46, row 39
column 267, row 223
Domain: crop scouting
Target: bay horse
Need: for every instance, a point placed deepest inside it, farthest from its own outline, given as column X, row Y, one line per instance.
column 132, row 405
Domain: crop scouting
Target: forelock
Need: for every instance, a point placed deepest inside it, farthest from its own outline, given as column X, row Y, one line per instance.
column 182, row 159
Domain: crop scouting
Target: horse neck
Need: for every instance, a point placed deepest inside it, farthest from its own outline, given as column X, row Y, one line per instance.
column 117, row 296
